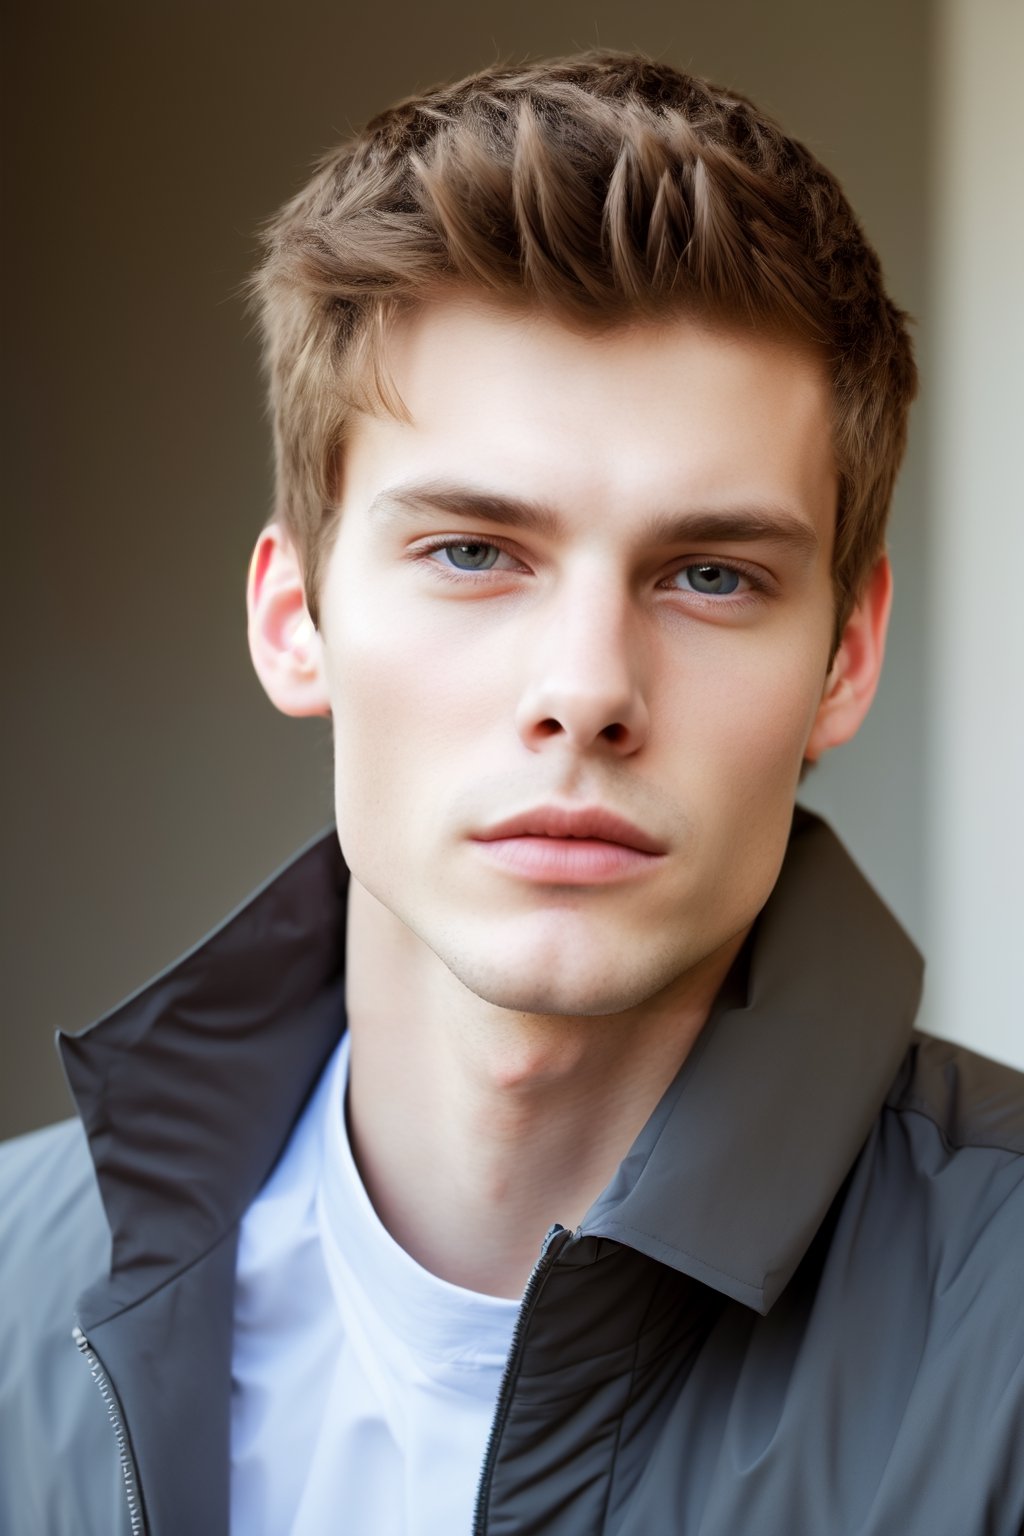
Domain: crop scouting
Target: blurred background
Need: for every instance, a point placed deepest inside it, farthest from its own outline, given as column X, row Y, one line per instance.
column 148, row 785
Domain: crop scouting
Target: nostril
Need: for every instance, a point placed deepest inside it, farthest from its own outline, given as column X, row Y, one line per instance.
column 614, row 733
column 549, row 727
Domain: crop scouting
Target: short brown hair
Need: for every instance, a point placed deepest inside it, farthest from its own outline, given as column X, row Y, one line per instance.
column 602, row 188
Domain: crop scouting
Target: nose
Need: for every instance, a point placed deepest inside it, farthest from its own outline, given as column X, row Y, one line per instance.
column 584, row 685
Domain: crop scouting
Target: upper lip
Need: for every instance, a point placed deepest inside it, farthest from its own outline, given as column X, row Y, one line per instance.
column 566, row 821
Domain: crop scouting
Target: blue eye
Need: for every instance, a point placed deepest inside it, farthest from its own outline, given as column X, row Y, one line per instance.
column 711, row 580
column 470, row 557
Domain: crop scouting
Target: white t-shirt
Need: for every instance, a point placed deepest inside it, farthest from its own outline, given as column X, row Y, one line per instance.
column 363, row 1387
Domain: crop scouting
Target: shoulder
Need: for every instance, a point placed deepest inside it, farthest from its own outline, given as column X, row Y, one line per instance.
column 49, row 1201
column 54, row 1242
column 949, row 1165
column 54, row 1239
column 54, row 1147
column 968, row 1100
column 56, row 1442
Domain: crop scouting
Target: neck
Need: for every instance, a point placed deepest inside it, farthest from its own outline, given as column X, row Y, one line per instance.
column 474, row 1128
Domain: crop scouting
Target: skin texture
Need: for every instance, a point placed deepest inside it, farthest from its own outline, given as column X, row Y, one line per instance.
column 510, row 1036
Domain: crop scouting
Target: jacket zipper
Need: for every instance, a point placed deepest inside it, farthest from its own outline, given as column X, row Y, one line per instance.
column 113, row 1407
column 548, row 1253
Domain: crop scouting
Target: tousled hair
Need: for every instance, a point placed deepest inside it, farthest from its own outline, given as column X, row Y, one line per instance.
column 601, row 189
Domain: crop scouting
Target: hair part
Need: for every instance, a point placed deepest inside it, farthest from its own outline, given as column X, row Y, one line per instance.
column 602, row 189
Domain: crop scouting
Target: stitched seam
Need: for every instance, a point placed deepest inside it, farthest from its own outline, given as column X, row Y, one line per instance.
column 625, row 1408
column 912, row 1105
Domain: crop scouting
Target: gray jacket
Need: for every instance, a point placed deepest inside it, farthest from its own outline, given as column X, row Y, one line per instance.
column 797, row 1310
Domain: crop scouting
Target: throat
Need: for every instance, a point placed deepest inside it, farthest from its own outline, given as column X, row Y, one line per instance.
column 476, row 1128
column 471, row 1152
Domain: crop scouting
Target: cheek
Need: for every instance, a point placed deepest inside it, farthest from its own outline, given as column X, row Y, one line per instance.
column 741, row 716
column 410, row 705
column 739, row 744
column 779, row 712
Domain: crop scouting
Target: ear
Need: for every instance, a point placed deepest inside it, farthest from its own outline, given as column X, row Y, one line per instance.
column 856, row 667
column 286, row 649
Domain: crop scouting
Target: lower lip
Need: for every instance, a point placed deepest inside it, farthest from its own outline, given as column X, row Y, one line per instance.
column 566, row 860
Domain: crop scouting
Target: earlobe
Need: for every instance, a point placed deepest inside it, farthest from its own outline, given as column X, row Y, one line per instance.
column 285, row 647
column 856, row 668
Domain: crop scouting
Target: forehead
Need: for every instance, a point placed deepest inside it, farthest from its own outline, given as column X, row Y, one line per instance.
column 632, row 419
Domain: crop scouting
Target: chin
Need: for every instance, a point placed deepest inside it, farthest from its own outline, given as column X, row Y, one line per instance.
column 566, row 990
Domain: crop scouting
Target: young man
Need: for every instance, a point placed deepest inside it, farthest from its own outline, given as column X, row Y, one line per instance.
column 628, row 1203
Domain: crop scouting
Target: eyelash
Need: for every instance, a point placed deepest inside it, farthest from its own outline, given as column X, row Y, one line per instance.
column 759, row 586
column 449, row 572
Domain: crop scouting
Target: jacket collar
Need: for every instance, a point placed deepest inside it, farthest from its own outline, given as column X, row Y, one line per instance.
column 189, row 1089
column 738, row 1166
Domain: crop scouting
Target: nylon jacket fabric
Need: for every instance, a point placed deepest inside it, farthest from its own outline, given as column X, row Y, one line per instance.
column 797, row 1309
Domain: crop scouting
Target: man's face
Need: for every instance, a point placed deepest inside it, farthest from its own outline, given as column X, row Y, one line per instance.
column 590, row 572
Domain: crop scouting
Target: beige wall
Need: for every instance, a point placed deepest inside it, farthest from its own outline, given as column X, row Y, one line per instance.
column 975, row 421
column 147, row 783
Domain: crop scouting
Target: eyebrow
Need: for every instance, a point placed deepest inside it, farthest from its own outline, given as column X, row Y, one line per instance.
column 733, row 525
